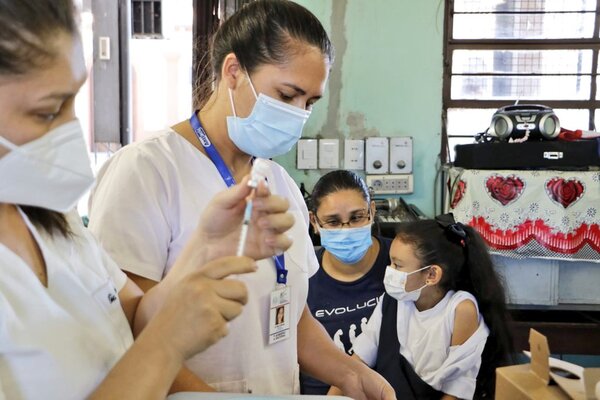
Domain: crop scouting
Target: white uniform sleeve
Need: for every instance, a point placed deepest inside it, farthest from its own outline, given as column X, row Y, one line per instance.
column 311, row 258
column 128, row 213
column 118, row 277
column 298, row 204
column 366, row 344
column 458, row 374
column 313, row 262
column 2, row 395
column 92, row 246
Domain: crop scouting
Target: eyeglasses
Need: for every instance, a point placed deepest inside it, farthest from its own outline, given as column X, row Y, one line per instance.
column 356, row 220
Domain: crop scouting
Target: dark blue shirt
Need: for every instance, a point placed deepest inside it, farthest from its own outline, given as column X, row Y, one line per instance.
column 344, row 307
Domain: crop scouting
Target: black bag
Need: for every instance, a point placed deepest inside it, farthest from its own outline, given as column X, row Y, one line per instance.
column 560, row 155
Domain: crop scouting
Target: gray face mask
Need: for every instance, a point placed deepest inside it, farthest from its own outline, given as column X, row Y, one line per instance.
column 50, row 172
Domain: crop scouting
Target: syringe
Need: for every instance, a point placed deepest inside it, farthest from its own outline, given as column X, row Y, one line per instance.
column 260, row 167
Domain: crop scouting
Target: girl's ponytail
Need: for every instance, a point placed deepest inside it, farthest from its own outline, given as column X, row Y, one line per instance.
column 479, row 278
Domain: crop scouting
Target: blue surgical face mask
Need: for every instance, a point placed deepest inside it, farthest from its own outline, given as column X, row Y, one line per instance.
column 271, row 129
column 349, row 245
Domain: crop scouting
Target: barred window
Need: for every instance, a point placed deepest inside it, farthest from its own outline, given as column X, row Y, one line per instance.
column 146, row 16
column 498, row 52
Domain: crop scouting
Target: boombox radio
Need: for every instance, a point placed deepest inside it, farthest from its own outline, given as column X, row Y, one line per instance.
column 525, row 122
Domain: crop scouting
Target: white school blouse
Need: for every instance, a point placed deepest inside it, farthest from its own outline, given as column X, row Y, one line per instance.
column 148, row 201
column 61, row 341
column 425, row 338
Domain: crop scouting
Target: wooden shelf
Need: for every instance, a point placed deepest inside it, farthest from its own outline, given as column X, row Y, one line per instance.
column 568, row 332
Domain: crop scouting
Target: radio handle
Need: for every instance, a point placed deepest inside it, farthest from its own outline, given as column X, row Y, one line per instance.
column 533, row 107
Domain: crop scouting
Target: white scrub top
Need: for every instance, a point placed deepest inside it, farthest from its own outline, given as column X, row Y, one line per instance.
column 60, row 342
column 148, row 201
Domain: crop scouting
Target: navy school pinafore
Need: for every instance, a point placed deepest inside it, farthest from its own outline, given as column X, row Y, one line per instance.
column 392, row 365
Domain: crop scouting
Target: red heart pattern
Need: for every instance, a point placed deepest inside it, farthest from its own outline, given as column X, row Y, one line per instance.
column 461, row 187
column 504, row 190
column 564, row 192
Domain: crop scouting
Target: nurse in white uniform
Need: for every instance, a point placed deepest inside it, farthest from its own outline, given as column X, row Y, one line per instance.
column 66, row 309
column 270, row 61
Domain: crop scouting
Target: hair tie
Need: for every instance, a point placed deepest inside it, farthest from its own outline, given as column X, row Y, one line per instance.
column 455, row 229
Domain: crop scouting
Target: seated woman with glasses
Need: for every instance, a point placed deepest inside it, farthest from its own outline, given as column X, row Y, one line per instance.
column 344, row 292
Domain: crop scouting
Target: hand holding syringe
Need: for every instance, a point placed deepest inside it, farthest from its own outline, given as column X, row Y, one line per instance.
column 260, row 168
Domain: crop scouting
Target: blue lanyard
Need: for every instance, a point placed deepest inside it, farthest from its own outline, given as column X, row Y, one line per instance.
column 211, row 151
column 217, row 160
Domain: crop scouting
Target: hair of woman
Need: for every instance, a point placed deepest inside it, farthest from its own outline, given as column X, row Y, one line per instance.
column 262, row 32
column 26, row 31
column 335, row 181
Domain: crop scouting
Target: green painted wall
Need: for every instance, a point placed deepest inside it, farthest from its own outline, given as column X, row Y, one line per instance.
column 386, row 81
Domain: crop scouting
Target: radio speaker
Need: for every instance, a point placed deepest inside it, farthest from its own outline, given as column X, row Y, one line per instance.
column 525, row 122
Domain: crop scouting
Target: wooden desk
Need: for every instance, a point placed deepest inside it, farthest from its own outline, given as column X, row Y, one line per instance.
column 568, row 332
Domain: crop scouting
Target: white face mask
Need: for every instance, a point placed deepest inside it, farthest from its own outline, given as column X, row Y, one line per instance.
column 395, row 284
column 50, row 172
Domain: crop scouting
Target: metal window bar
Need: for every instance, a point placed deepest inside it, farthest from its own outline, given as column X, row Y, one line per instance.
column 451, row 44
column 147, row 18
column 208, row 15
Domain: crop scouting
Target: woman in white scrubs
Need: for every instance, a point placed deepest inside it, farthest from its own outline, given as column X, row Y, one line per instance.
column 66, row 309
column 270, row 63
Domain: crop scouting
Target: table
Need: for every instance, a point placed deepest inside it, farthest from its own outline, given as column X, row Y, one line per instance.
column 230, row 396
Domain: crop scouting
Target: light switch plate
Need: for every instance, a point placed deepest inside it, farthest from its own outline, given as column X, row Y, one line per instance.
column 377, row 155
column 329, row 153
column 307, row 154
column 354, row 154
column 104, row 48
column 401, row 149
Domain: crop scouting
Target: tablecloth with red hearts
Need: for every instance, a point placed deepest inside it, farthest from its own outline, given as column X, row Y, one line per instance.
column 543, row 214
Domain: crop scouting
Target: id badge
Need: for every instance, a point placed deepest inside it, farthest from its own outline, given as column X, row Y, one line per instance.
column 279, row 314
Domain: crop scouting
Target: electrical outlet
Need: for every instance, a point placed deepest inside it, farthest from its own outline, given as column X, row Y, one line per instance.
column 391, row 184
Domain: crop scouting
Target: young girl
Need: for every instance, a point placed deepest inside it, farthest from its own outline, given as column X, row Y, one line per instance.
column 440, row 330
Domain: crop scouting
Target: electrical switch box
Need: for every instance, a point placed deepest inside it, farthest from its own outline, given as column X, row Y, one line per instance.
column 329, row 153
column 377, row 153
column 354, row 154
column 401, row 149
column 307, row 154
column 391, row 184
